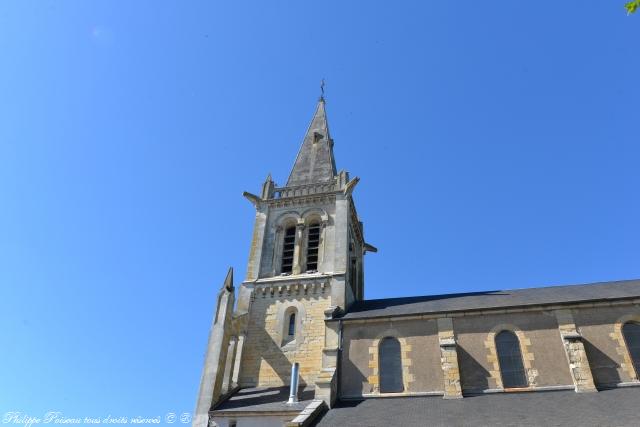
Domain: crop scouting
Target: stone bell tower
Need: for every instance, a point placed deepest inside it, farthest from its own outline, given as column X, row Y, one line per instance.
column 306, row 264
column 310, row 226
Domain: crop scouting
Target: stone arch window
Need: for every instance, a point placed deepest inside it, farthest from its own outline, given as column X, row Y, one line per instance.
column 510, row 360
column 288, row 248
column 290, row 325
column 313, row 245
column 390, row 365
column 631, row 333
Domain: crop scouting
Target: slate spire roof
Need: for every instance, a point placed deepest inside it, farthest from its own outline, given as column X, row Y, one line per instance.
column 315, row 162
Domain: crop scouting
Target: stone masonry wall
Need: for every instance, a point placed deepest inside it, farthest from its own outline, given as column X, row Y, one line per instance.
column 604, row 344
column 267, row 358
column 543, row 353
column 420, row 356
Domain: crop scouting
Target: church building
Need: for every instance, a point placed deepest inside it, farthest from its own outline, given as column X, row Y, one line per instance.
column 295, row 343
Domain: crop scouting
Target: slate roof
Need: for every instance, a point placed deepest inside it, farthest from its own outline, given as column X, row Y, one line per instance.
column 602, row 291
column 618, row 407
column 263, row 399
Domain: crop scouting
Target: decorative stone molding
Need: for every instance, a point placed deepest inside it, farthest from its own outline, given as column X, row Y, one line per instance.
column 621, row 348
column 315, row 212
column 281, row 193
column 525, row 348
column 575, row 351
column 276, row 290
column 316, row 199
column 288, row 216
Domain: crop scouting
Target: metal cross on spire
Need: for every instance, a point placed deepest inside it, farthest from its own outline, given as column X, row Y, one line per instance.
column 322, row 89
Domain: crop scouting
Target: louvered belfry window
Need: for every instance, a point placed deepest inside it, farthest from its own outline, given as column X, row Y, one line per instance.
column 287, row 249
column 313, row 243
column 390, row 366
column 631, row 332
column 510, row 360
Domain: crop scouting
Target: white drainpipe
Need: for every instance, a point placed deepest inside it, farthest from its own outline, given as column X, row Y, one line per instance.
column 293, row 390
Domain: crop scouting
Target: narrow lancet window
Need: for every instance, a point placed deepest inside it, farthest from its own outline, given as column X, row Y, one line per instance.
column 510, row 360
column 313, row 243
column 631, row 332
column 292, row 325
column 287, row 249
column 390, row 366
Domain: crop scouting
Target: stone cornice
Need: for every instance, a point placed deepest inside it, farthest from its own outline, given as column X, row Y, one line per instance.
column 301, row 200
column 305, row 284
column 305, row 288
column 293, row 278
column 307, row 189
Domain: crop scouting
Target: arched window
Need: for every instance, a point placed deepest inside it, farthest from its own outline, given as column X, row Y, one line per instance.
column 292, row 325
column 510, row 360
column 390, row 366
column 313, row 243
column 287, row 249
column 631, row 332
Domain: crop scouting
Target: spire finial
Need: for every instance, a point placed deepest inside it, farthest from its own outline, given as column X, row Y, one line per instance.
column 322, row 89
column 228, row 281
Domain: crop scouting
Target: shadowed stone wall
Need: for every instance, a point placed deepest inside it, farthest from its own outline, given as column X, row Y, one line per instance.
column 420, row 356
column 604, row 344
column 562, row 347
column 542, row 350
column 267, row 358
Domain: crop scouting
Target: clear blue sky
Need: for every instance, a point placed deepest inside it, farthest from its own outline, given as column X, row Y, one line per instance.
column 497, row 144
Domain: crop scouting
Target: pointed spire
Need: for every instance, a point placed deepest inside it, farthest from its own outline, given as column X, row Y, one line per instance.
column 315, row 162
column 228, row 281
